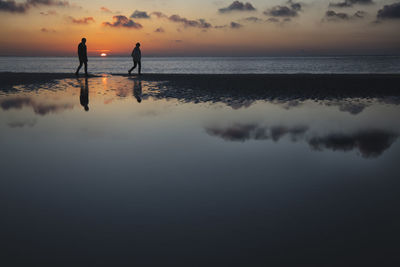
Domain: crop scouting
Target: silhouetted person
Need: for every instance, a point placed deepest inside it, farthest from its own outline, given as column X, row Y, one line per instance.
column 82, row 54
column 137, row 90
column 84, row 96
column 137, row 57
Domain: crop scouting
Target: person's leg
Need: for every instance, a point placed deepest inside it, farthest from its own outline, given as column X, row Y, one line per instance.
column 86, row 68
column 140, row 67
column 134, row 66
column 79, row 67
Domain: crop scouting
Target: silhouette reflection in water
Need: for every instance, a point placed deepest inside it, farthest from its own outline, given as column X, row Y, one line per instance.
column 137, row 90
column 84, row 95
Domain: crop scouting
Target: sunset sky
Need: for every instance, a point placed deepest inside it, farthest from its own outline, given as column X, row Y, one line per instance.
column 200, row 28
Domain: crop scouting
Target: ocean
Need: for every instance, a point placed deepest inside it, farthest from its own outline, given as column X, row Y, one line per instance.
column 214, row 65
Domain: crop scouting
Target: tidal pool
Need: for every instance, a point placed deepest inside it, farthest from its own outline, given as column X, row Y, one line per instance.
column 116, row 171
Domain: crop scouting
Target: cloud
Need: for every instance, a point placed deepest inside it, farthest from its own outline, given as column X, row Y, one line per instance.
column 105, row 10
column 85, row 20
column 38, row 108
column 245, row 132
column 252, row 19
column 200, row 23
column 350, row 3
column 13, row 7
column 389, row 12
column 331, row 15
column 140, row 15
column 237, row 6
column 159, row 30
column 49, row 13
column 47, row 3
column 47, row 30
column 159, row 14
column 292, row 9
column 122, row 22
column 274, row 20
column 235, row 25
column 20, row 124
column 370, row 143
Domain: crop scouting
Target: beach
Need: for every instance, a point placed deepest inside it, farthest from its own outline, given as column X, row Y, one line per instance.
column 300, row 85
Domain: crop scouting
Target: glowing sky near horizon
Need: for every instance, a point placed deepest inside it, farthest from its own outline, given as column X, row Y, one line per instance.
column 209, row 27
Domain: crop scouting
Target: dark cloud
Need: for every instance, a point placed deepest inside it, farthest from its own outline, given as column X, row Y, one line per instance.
column 331, row 15
column 389, row 12
column 350, row 3
column 38, row 108
column 245, row 132
column 370, row 143
column 292, row 9
column 274, row 20
column 140, row 15
column 159, row 14
column 235, row 25
column 122, row 22
column 200, row 23
column 252, row 19
column 159, row 30
column 14, row 7
column 86, row 20
column 237, row 6
column 47, row 3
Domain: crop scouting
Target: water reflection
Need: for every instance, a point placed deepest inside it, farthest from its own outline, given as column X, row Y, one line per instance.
column 38, row 107
column 137, row 90
column 370, row 143
column 354, row 103
column 264, row 180
column 84, row 95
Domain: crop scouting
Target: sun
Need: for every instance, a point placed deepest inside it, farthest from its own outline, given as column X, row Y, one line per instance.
column 103, row 54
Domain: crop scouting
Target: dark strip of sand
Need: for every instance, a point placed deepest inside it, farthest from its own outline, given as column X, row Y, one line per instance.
column 14, row 78
column 341, row 85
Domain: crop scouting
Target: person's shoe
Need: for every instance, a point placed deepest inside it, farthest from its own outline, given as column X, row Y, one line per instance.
column 76, row 74
column 86, row 75
column 129, row 73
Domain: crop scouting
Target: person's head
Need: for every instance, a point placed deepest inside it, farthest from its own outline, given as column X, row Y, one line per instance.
column 137, row 44
column 83, row 40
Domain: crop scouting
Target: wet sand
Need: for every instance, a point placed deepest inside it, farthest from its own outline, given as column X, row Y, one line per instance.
column 306, row 85
column 14, row 78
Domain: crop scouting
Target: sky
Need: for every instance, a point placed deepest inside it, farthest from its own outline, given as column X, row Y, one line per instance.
column 200, row 28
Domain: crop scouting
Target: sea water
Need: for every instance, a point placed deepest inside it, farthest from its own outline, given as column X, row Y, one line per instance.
column 217, row 65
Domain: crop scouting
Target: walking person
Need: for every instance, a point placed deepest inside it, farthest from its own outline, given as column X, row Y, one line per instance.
column 137, row 56
column 82, row 54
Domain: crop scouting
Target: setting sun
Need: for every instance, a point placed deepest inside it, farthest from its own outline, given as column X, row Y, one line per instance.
column 103, row 54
